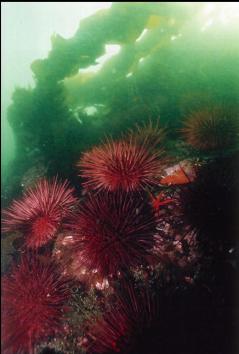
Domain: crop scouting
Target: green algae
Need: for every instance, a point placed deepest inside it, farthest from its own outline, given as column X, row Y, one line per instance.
column 165, row 68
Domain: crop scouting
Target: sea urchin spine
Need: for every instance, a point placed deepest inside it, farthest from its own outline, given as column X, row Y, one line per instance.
column 40, row 212
column 33, row 298
column 120, row 165
column 113, row 231
column 211, row 129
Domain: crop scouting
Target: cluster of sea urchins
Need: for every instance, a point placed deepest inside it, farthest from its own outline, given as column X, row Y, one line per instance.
column 120, row 225
column 36, row 291
column 111, row 230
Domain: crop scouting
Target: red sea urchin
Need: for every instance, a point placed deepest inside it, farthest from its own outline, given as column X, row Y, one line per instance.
column 132, row 311
column 40, row 211
column 149, row 135
column 33, row 298
column 122, row 165
column 213, row 128
column 113, row 231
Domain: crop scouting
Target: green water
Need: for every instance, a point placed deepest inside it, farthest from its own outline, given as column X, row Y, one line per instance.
column 73, row 74
column 163, row 79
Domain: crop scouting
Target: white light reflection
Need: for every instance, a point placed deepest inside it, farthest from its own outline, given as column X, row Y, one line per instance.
column 219, row 13
column 110, row 51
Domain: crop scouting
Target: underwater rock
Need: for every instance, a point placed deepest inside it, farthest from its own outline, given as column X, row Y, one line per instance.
column 10, row 245
column 33, row 174
column 210, row 205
